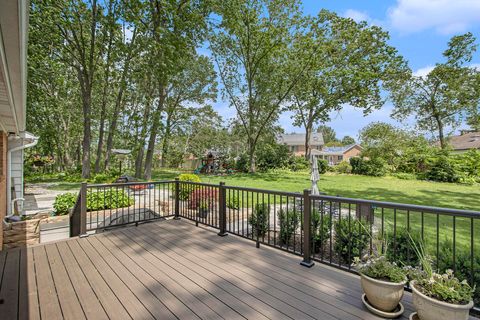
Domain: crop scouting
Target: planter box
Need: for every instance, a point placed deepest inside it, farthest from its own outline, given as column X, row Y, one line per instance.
column 21, row 233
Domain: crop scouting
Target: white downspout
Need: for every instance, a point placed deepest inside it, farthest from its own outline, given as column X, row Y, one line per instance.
column 9, row 166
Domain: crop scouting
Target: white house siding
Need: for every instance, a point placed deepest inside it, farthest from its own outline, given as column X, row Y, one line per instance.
column 16, row 174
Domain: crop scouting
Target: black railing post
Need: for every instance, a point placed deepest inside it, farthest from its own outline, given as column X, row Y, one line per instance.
column 177, row 199
column 307, row 228
column 222, row 203
column 83, row 209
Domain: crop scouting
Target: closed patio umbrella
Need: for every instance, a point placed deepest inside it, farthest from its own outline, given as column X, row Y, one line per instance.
column 315, row 175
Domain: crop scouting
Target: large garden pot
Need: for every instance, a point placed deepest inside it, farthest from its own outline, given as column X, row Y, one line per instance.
column 382, row 295
column 433, row 309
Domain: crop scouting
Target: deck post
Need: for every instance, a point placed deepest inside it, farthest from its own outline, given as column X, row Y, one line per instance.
column 177, row 199
column 307, row 228
column 222, row 203
column 83, row 209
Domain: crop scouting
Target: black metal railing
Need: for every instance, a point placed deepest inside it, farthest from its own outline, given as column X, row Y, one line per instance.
column 326, row 229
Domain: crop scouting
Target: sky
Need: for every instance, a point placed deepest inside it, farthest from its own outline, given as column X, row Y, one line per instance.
column 419, row 29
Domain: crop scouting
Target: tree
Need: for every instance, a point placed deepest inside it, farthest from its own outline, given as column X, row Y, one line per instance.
column 251, row 45
column 351, row 63
column 385, row 141
column 443, row 97
column 347, row 140
column 328, row 133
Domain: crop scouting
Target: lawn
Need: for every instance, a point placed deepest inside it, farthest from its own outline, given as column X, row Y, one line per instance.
column 353, row 186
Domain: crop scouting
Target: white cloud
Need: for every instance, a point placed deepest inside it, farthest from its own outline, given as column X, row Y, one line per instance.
column 444, row 16
column 356, row 15
column 422, row 72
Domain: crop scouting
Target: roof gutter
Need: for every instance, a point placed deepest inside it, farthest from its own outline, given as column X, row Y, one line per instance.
column 9, row 167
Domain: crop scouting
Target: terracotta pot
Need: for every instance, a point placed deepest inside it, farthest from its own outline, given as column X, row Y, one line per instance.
column 382, row 295
column 433, row 309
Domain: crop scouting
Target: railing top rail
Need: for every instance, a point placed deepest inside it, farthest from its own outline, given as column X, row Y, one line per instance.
column 274, row 192
column 135, row 183
column 200, row 184
column 402, row 206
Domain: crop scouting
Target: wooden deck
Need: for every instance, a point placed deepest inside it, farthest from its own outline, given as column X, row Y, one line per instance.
column 168, row 270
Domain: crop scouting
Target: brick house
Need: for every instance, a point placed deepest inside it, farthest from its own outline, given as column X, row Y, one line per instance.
column 335, row 155
column 13, row 82
column 296, row 142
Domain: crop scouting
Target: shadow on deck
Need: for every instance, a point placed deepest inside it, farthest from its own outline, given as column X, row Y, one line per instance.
column 171, row 269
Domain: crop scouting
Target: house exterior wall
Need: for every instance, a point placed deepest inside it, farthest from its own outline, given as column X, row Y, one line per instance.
column 16, row 173
column 3, row 181
column 353, row 152
column 299, row 150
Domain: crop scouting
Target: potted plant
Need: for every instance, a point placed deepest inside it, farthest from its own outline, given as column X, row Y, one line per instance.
column 383, row 283
column 438, row 296
column 203, row 208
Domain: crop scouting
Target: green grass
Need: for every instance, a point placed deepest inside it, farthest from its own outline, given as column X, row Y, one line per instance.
column 389, row 189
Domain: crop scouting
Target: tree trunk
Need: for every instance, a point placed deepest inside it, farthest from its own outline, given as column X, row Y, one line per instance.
column 441, row 135
column 166, row 136
column 251, row 156
column 153, row 134
column 118, row 102
column 308, row 134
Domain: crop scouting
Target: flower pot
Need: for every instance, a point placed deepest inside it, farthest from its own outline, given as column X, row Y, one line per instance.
column 382, row 295
column 433, row 309
column 202, row 213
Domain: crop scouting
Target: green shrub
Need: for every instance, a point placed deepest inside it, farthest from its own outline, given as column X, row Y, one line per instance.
column 322, row 166
column 109, row 199
column 232, row 201
column 242, row 164
column 375, row 167
column 442, row 169
column 320, row 229
column 401, row 250
column 289, row 222
column 187, row 189
column 259, row 219
column 64, row 202
column 272, row 156
column 462, row 265
column 343, row 167
column 101, row 178
column 351, row 239
column 99, row 200
column 299, row 163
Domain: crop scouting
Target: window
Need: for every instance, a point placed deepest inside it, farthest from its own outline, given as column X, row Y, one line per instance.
column 340, row 158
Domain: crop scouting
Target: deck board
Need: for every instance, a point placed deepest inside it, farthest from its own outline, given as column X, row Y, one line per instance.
column 172, row 270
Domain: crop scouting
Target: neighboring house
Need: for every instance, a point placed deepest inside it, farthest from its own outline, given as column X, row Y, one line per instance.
column 13, row 82
column 296, row 142
column 335, row 155
column 465, row 141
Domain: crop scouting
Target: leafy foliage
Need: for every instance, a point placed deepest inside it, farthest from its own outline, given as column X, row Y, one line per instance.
column 400, row 249
column 380, row 268
column 369, row 167
column 203, row 198
column 351, row 239
column 98, row 200
column 445, row 287
column 343, row 167
column 258, row 220
column 321, row 229
column 187, row 189
column 289, row 221
column 462, row 267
